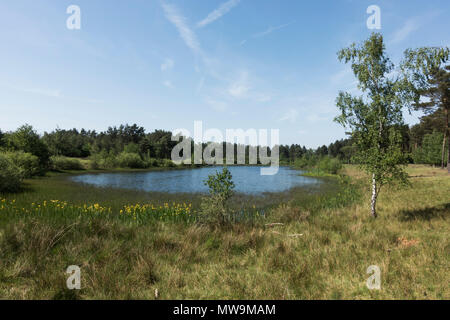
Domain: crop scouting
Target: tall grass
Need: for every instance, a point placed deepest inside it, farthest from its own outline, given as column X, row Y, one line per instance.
column 313, row 246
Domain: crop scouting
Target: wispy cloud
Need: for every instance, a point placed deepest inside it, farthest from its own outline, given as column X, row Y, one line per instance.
column 291, row 115
column 413, row 24
column 167, row 64
column 240, row 87
column 216, row 104
column 266, row 32
column 401, row 34
column 246, row 86
column 180, row 22
column 238, row 90
column 270, row 30
column 168, row 84
column 218, row 13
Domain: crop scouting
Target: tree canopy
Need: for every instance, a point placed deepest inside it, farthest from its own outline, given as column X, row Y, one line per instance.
column 375, row 117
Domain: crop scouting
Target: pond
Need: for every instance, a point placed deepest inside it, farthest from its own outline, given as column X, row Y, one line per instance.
column 246, row 178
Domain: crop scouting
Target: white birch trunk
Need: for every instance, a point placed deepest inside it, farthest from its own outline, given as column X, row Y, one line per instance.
column 374, row 196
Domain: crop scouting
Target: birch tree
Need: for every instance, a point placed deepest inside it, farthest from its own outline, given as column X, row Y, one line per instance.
column 375, row 117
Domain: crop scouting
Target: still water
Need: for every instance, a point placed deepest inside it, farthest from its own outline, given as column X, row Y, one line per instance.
column 247, row 180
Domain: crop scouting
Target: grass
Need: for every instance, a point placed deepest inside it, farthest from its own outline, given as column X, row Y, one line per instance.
column 321, row 250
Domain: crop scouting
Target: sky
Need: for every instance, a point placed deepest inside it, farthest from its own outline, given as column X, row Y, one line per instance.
column 163, row 64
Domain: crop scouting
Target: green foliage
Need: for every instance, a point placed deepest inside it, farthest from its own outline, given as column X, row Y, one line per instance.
column 151, row 162
column 167, row 163
column 375, row 117
column 103, row 160
column 131, row 148
column 324, row 164
column 306, row 162
column 27, row 140
column 342, row 149
column 154, row 148
column 130, row 160
column 431, row 150
column 427, row 125
column 221, row 184
column 2, row 140
column 214, row 207
column 16, row 166
column 330, row 165
column 428, row 70
column 69, row 143
column 64, row 163
column 28, row 163
column 420, row 66
column 11, row 175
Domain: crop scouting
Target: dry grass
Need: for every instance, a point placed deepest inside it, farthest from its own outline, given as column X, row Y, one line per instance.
column 315, row 254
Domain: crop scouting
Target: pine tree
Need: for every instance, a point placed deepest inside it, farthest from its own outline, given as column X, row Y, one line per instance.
column 429, row 70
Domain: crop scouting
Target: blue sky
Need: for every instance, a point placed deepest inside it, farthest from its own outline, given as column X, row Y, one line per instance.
column 164, row 64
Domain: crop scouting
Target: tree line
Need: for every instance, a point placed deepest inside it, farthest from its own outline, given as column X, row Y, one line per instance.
column 133, row 139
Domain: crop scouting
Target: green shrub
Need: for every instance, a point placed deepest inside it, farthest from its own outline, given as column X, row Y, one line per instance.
column 94, row 163
column 330, row 165
column 64, row 163
column 28, row 163
column 27, row 140
column 103, row 160
column 167, row 163
column 151, row 162
column 130, row 160
column 11, row 175
column 301, row 163
column 214, row 207
column 108, row 162
column 306, row 162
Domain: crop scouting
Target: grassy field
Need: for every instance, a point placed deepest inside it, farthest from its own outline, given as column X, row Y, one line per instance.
column 320, row 250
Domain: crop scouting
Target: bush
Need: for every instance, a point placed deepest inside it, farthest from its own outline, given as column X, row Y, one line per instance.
column 306, row 162
column 130, row 160
column 103, row 160
column 330, row 165
column 64, row 163
column 26, row 139
column 214, row 207
column 94, row 163
column 11, row 175
column 301, row 163
column 150, row 162
column 167, row 163
column 109, row 162
column 28, row 163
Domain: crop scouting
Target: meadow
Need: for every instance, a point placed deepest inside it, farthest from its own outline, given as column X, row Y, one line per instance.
column 300, row 244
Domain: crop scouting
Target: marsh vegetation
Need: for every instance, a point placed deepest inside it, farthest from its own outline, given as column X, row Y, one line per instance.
column 312, row 245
